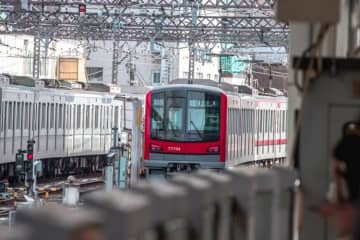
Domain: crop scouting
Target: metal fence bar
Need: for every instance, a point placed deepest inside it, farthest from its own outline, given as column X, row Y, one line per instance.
column 241, row 204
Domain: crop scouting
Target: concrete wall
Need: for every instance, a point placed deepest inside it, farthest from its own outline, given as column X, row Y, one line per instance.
column 16, row 55
column 206, row 68
column 145, row 62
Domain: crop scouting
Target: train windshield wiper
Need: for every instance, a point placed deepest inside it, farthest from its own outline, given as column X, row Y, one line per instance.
column 196, row 129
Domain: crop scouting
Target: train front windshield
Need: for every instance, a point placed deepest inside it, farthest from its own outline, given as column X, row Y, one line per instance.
column 185, row 116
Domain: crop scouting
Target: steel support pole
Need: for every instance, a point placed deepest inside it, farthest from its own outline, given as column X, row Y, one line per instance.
column 191, row 63
column 135, row 136
column 109, row 171
column 115, row 61
column 36, row 60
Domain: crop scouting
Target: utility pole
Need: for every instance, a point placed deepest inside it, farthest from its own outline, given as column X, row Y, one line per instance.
column 191, row 63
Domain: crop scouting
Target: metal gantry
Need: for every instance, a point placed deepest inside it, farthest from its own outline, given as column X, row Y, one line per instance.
column 245, row 22
column 223, row 4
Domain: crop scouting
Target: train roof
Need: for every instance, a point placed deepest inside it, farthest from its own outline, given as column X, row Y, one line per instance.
column 188, row 86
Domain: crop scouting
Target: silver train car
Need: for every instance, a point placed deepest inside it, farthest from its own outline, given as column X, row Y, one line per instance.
column 65, row 124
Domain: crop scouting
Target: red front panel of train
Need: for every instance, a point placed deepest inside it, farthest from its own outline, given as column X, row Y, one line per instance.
column 185, row 124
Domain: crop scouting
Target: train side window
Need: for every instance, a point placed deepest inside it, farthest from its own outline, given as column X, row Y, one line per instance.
column 267, row 120
column 271, row 121
column 261, row 121
column 247, row 121
column 96, row 116
column 242, row 121
column 102, row 119
column 60, row 116
column 5, row 115
column 48, row 115
column 264, row 120
column 26, row 116
column 52, row 112
column 116, row 117
column 106, row 117
column 87, row 117
column 284, row 121
column 107, row 122
column 18, row 115
column 78, row 116
column 43, row 115
column 71, row 117
column 109, row 117
column 10, row 115
column 38, row 113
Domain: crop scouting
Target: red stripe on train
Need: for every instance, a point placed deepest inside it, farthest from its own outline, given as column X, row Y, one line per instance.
column 271, row 142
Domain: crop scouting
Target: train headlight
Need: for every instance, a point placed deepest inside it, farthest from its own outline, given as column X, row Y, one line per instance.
column 155, row 148
column 214, row 149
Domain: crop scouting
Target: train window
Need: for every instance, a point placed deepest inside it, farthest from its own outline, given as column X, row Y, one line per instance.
column 261, row 121
column 116, row 117
column 107, row 122
column 242, row 121
column 266, row 120
column 104, row 118
column 48, row 115
column 26, row 116
column 78, row 116
column 43, row 115
column 247, row 120
column 70, row 112
column 96, row 116
column 18, row 115
column 5, row 115
column 52, row 112
column 60, row 116
column 87, row 125
column 10, row 116
column 38, row 108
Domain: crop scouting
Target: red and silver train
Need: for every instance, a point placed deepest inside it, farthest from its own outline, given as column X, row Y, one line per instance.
column 195, row 126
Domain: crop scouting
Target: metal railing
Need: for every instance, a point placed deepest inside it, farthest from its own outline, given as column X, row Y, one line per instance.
column 245, row 203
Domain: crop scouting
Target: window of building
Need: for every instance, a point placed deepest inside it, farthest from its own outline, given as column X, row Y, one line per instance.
column 94, row 73
column 155, row 77
column 208, row 76
column 200, row 75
